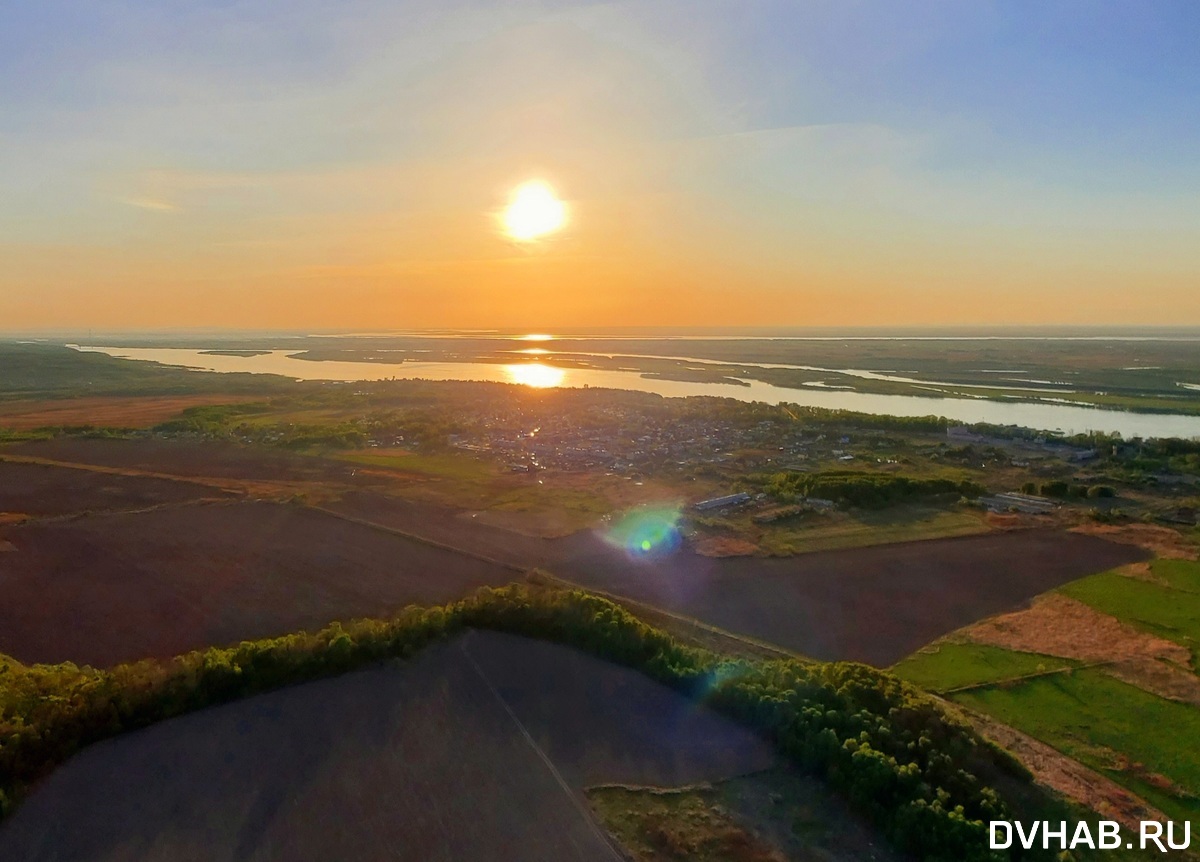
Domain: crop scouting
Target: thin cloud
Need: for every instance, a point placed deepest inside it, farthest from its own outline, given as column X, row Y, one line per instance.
column 151, row 204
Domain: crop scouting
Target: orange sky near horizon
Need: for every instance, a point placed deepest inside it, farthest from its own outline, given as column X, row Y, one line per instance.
column 360, row 184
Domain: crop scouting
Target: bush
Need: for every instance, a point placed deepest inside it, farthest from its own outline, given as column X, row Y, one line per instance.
column 1057, row 488
column 1098, row 491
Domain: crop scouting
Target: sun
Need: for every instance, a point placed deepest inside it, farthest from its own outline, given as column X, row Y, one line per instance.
column 534, row 211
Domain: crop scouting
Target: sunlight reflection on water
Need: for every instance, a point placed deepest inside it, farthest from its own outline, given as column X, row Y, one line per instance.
column 1067, row 418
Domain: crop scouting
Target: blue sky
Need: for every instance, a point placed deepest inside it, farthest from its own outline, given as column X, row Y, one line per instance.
column 808, row 154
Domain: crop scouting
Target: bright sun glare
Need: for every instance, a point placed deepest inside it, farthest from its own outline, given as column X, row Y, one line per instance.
column 535, row 374
column 534, row 211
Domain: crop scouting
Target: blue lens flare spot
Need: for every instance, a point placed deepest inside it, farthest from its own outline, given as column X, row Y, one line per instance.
column 726, row 672
column 647, row 531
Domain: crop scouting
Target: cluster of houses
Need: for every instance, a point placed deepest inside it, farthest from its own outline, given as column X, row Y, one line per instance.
column 628, row 441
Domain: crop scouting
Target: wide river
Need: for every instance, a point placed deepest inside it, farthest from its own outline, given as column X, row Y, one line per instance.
column 1052, row 417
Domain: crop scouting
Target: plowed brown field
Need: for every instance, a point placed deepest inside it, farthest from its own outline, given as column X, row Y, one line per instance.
column 477, row 749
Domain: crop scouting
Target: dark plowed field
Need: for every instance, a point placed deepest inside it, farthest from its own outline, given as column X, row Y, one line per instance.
column 453, row 527
column 874, row 604
column 474, row 750
column 112, row 588
column 38, row 490
column 117, row 587
column 190, row 458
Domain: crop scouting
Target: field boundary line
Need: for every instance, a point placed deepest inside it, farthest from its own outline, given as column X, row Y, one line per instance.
column 127, row 472
column 1027, row 749
column 395, row 531
column 619, row 599
column 989, row 532
column 560, row 581
column 1027, row 676
column 229, row 485
column 545, row 758
column 144, row 510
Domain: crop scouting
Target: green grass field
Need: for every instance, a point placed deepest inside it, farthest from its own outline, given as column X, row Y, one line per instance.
column 1142, row 741
column 536, row 498
column 1171, row 612
column 949, row 666
column 462, row 468
column 464, row 480
column 1181, row 575
column 902, row 524
column 1094, row 718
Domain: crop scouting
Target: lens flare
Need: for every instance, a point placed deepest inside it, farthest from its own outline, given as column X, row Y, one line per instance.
column 648, row 531
column 725, row 673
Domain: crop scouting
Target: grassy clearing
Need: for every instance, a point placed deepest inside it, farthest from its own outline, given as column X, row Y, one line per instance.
column 1183, row 575
column 685, row 824
column 539, row 497
column 549, row 510
column 868, row 528
column 516, row 501
column 949, row 666
column 1096, row 719
column 1171, row 612
column 777, row 814
column 436, row 466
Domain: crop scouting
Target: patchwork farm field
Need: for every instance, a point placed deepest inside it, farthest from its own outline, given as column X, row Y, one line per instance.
column 950, row 666
column 112, row 587
column 1113, row 685
column 479, row 748
column 1105, row 724
column 174, row 545
column 875, row 604
column 1168, row 608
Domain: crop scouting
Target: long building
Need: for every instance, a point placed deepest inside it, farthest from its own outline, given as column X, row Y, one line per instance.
column 722, row 502
column 1021, row 502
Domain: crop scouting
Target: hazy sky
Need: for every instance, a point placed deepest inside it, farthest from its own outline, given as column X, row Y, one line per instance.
column 343, row 164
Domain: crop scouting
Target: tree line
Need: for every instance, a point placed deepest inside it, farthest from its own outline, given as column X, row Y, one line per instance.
column 865, row 490
column 1062, row 490
column 915, row 772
